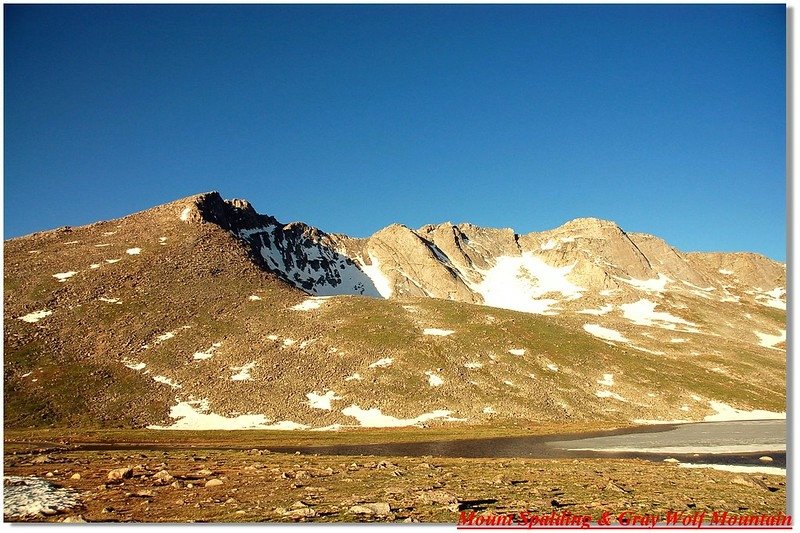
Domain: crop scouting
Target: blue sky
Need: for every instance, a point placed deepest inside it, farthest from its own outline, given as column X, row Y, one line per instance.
column 666, row 119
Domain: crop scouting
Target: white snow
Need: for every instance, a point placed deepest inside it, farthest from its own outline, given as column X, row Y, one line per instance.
column 598, row 312
column 243, row 373
column 165, row 337
column 517, row 351
column 607, row 381
column 677, row 340
column 772, row 298
column 185, row 213
column 208, row 353
column 609, row 394
column 553, row 367
column 725, row 272
column 489, row 410
column 101, row 245
column 549, row 245
column 518, row 283
column 189, row 417
column 744, row 469
column 509, row 383
column 438, row 332
column 433, row 379
column 109, row 233
column 342, row 275
column 133, row 251
column 254, row 298
column 643, row 313
column 136, row 366
column 608, row 292
column 658, row 284
column 272, row 337
column 309, row 304
column 112, row 261
column 288, row 342
column 725, row 412
column 473, row 365
column 381, row 363
column 72, row 242
column 606, row 334
column 769, row 341
column 110, row 300
column 373, row 418
column 29, row 496
column 322, row 401
column 162, row 241
column 94, row 265
column 354, row 377
column 64, row 276
column 167, row 381
column 379, row 279
column 36, row 316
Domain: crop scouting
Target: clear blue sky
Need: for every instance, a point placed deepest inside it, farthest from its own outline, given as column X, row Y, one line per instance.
column 666, row 119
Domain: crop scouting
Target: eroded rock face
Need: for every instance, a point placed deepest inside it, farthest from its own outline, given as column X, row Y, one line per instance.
column 454, row 262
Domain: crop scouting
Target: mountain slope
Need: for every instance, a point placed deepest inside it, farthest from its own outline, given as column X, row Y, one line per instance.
column 203, row 313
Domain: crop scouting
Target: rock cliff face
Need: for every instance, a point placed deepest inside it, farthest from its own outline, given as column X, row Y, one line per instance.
column 203, row 314
column 584, row 259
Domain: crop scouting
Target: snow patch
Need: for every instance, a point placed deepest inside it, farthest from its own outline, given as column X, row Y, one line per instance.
column 725, row 412
column 382, row 363
column 354, row 377
column 112, row 261
column 609, row 394
column 36, row 316
column 322, row 401
column 373, row 418
column 518, row 283
column 136, row 366
column 64, row 276
column 254, row 298
column 598, row 312
column 166, row 381
column 606, row 334
column 433, row 379
column 438, row 332
column 379, row 279
column 549, row 245
column 190, row 417
column 552, row 367
column 769, row 341
column 517, row 351
column 643, row 313
column 742, row 469
column 309, row 304
column 243, row 373
column 165, row 337
column 489, row 410
column 473, row 365
column 187, row 211
column 133, row 251
column 607, row 381
column 725, row 272
column 207, row 354
column 110, row 300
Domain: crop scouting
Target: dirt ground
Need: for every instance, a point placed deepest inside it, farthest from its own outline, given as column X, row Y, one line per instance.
column 193, row 485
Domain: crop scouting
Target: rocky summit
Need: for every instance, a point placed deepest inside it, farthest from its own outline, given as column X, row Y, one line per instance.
column 204, row 314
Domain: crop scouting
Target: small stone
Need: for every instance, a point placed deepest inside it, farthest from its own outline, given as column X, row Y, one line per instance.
column 214, row 483
column 75, row 476
column 369, row 509
column 765, row 459
column 163, row 477
column 76, row 519
column 175, row 484
column 49, row 474
column 107, row 510
column 204, row 472
column 118, row 474
column 48, row 511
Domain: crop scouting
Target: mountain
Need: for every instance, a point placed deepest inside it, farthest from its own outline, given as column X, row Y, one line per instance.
column 203, row 313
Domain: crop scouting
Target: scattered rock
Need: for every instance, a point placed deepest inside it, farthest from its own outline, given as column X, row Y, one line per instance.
column 437, row 497
column 75, row 476
column 163, row 477
column 371, row 509
column 118, row 474
column 76, row 519
column 214, row 483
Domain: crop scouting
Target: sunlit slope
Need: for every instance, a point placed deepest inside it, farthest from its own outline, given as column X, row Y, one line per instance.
column 197, row 314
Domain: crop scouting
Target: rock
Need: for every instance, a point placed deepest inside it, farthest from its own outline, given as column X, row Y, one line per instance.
column 49, row 474
column 214, row 483
column 765, row 459
column 76, row 519
column 163, row 477
column 305, row 512
column 142, row 494
column 75, row 476
column 41, row 459
column 204, row 472
column 437, row 497
column 371, row 509
column 749, row 482
column 118, row 474
column 298, row 505
column 48, row 511
column 175, row 484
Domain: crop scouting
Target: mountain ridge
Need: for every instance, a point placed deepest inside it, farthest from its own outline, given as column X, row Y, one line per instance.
column 203, row 313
